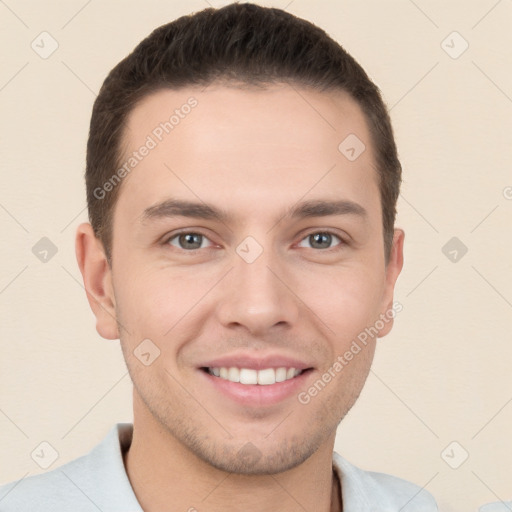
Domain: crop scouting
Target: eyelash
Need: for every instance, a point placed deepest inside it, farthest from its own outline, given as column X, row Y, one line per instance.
column 342, row 243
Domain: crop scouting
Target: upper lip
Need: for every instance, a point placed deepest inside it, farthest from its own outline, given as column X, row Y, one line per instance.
column 253, row 362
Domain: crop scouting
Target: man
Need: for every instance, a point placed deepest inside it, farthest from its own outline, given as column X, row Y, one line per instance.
column 242, row 180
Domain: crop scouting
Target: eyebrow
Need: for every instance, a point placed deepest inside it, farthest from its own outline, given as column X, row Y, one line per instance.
column 200, row 210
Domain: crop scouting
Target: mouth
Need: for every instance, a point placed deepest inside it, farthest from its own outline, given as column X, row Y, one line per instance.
column 251, row 377
column 251, row 387
column 258, row 381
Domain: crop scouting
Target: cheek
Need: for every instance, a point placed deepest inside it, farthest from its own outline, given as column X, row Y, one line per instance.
column 168, row 306
column 345, row 299
column 149, row 303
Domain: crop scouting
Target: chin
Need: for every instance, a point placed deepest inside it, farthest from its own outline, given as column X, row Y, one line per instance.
column 250, row 460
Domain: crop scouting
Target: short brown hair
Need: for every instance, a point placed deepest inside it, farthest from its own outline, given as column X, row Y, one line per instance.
column 243, row 43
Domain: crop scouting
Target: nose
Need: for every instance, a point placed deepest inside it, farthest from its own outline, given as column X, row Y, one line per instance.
column 258, row 297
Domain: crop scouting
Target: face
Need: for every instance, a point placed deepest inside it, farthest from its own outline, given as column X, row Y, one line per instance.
column 247, row 246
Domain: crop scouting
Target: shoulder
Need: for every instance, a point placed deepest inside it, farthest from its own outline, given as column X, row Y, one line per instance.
column 95, row 481
column 372, row 491
column 498, row 506
column 50, row 490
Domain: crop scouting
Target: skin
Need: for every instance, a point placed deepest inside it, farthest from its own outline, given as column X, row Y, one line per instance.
column 255, row 154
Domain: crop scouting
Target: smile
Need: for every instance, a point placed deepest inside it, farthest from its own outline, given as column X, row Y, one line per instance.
column 248, row 376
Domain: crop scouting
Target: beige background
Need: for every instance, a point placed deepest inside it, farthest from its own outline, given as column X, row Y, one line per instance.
column 442, row 375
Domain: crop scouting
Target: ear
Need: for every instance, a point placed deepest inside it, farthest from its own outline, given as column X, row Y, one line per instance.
column 393, row 269
column 97, row 276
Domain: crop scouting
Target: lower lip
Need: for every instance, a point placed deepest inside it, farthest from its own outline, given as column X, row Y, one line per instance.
column 257, row 395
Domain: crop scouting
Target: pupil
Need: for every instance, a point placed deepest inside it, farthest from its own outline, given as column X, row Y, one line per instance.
column 191, row 239
column 318, row 239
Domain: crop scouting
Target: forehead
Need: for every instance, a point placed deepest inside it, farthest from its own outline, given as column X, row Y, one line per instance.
column 273, row 145
column 291, row 113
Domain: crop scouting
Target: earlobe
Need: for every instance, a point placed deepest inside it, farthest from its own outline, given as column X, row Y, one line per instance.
column 97, row 277
column 393, row 269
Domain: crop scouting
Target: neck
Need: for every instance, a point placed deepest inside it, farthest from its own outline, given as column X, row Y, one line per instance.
column 162, row 471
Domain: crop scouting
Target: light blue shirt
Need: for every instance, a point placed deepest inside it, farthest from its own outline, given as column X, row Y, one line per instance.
column 98, row 481
column 498, row 506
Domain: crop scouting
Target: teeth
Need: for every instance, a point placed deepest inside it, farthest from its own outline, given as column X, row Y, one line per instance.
column 290, row 373
column 248, row 376
column 234, row 375
column 266, row 377
column 280, row 374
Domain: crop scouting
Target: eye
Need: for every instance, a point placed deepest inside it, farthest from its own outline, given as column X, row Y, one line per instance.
column 188, row 241
column 321, row 240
